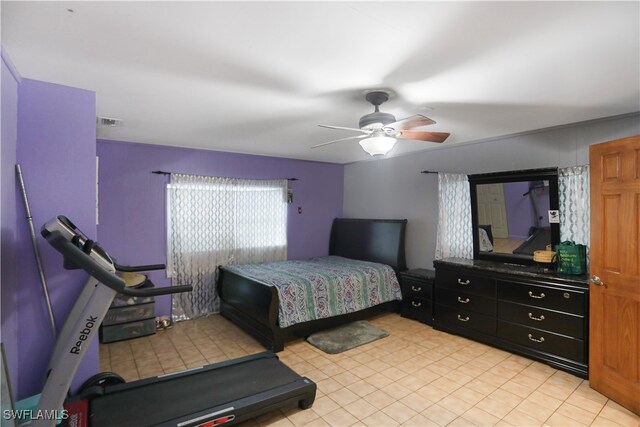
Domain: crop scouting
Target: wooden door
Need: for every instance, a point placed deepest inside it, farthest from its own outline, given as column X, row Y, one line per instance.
column 614, row 363
column 492, row 209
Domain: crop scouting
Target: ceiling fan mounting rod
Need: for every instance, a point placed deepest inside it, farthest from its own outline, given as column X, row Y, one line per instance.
column 377, row 98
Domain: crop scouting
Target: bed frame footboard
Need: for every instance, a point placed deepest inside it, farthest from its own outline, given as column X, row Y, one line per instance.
column 254, row 308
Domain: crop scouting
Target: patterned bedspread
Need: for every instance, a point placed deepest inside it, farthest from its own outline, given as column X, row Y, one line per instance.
column 323, row 287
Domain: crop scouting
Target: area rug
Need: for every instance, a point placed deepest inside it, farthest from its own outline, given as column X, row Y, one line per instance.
column 343, row 338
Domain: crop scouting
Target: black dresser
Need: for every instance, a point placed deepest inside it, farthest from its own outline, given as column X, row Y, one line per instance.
column 523, row 309
column 417, row 294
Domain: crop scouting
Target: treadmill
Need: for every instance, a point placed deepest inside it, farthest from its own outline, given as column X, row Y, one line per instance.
column 223, row 393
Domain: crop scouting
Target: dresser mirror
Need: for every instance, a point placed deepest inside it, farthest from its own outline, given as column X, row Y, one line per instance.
column 514, row 214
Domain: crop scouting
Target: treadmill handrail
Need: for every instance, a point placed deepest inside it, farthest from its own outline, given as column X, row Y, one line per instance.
column 152, row 292
column 84, row 261
column 136, row 268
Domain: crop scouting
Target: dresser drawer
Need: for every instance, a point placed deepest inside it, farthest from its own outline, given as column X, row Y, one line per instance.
column 544, row 341
column 466, row 301
column 466, row 319
column 467, row 282
column 540, row 318
column 417, row 309
column 416, row 288
column 543, row 297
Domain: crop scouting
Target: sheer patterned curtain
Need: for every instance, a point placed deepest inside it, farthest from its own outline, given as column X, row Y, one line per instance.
column 216, row 221
column 454, row 238
column 573, row 198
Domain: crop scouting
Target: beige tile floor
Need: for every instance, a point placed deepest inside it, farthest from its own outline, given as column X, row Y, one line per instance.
column 506, row 245
column 417, row 376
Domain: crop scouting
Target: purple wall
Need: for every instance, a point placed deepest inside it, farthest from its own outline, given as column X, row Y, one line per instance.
column 520, row 214
column 132, row 199
column 56, row 149
column 519, row 211
column 8, row 217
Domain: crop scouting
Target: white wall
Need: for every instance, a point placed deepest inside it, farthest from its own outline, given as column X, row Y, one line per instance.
column 395, row 188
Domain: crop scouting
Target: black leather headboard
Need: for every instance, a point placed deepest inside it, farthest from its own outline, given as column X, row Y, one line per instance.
column 376, row 240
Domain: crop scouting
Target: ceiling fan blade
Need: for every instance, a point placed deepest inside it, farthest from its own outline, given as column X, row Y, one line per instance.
column 423, row 136
column 344, row 128
column 339, row 140
column 411, row 122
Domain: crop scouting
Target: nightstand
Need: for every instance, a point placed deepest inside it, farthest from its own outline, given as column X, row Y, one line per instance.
column 417, row 294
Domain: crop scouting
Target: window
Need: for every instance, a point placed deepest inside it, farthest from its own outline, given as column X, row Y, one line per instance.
column 217, row 221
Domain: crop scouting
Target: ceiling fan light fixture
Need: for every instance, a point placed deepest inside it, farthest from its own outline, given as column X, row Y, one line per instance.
column 378, row 145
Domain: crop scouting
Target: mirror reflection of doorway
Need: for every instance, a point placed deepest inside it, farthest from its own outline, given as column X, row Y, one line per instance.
column 492, row 211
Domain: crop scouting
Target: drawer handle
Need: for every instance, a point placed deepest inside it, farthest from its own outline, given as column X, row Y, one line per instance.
column 463, row 319
column 466, row 282
column 542, row 295
column 536, row 340
column 416, row 289
column 539, row 319
column 463, row 301
column 416, row 304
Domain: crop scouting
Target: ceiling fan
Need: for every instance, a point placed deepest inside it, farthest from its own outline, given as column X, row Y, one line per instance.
column 381, row 130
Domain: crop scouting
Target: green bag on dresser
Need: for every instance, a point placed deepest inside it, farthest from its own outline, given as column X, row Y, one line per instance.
column 572, row 258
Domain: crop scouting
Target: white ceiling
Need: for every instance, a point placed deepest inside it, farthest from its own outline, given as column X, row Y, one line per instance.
column 257, row 77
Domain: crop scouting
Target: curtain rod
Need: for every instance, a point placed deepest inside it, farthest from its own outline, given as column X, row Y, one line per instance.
column 169, row 173
column 437, row 172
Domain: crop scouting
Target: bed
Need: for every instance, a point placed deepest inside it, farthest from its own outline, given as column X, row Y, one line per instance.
column 255, row 306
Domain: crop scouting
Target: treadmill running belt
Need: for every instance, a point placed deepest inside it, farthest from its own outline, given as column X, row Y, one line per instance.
column 187, row 394
column 536, row 242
